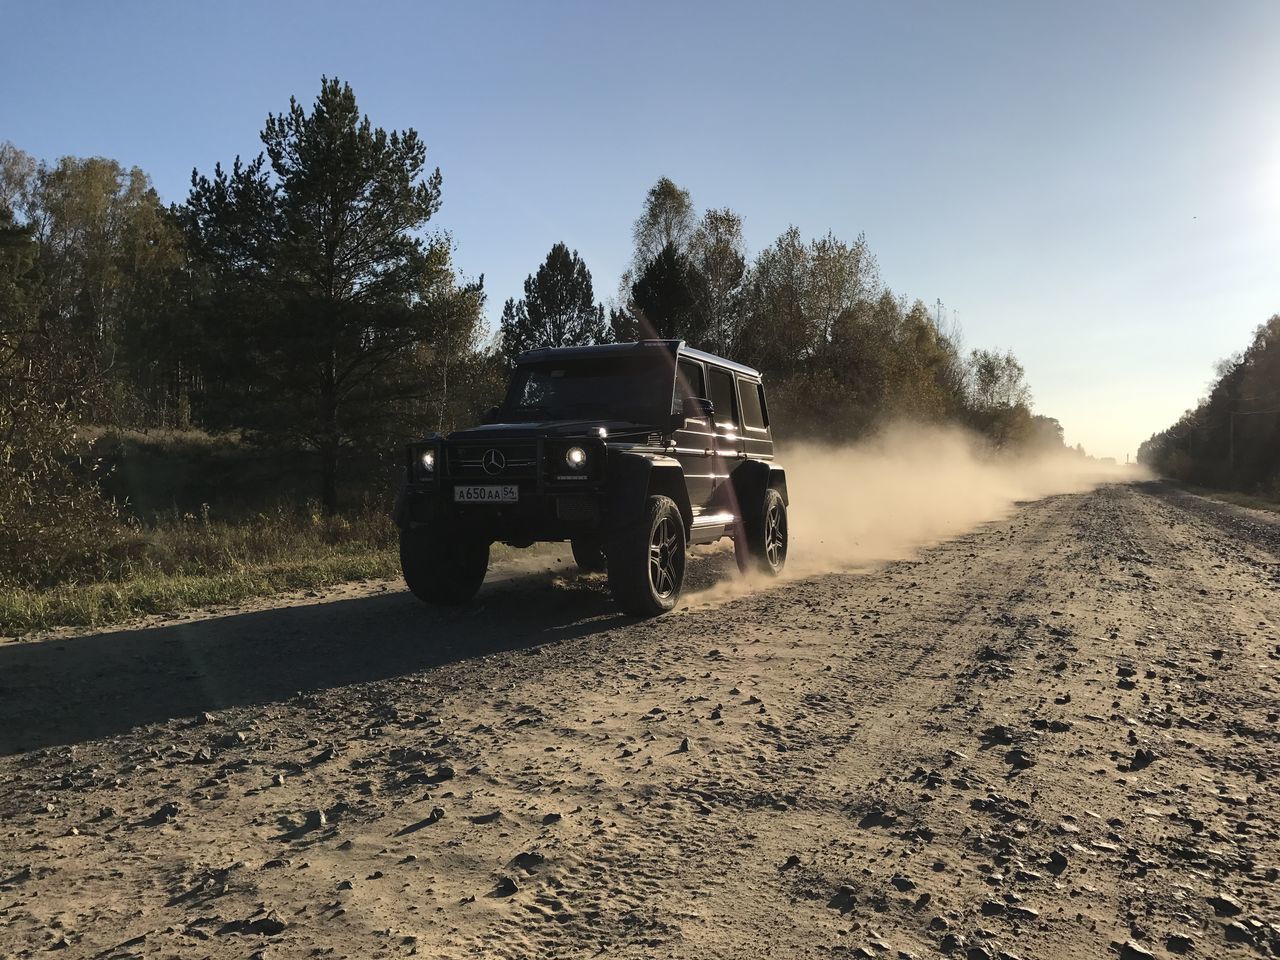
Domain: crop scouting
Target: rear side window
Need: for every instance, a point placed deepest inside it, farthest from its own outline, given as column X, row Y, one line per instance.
column 753, row 412
column 689, row 383
column 722, row 395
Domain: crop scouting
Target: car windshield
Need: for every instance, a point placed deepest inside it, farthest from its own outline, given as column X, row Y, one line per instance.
column 637, row 389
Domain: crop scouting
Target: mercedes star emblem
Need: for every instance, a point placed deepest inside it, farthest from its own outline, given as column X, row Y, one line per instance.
column 493, row 462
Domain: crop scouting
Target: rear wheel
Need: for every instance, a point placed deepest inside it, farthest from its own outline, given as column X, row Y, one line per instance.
column 588, row 554
column 443, row 569
column 646, row 560
column 761, row 543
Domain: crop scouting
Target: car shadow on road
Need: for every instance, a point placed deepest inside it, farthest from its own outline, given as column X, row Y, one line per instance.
column 70, row 690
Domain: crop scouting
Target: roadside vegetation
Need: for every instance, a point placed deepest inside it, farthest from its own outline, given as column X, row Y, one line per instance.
column 205, row 400
column 189, row 561
column 1231, row 440
column 1271, row 505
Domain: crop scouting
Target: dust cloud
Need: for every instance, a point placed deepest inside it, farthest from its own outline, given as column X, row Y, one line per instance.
column 857, row 506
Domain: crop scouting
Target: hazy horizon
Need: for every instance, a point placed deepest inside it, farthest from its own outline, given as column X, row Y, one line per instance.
column 1093, row 187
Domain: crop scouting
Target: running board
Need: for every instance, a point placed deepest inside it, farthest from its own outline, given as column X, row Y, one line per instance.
column 713, row 519
column 710, row 527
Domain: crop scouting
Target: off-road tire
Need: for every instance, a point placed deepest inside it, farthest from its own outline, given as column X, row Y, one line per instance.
column 760, row 544
column 647, row 558
column 442, row 569
column 588, row 554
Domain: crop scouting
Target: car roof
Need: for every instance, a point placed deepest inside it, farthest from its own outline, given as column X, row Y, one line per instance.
column 638, row 348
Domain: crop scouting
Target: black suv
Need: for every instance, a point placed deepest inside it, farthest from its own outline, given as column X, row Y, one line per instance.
column 630, row 451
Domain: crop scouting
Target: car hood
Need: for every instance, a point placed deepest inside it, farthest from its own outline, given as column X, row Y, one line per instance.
column 552, row 428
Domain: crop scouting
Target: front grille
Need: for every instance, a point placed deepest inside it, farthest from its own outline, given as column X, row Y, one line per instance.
column 578, row 510
column 468, row 461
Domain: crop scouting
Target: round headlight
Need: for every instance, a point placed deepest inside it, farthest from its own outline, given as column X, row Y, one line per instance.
column 575, row 457
column 428, row 460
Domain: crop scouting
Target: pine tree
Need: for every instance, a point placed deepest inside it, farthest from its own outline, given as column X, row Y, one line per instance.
column 558, row 308
column 321, row 292
column 667, row 297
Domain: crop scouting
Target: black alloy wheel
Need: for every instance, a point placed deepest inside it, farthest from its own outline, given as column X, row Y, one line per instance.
column 761, row 541
column 646, row 560
column 663, row 546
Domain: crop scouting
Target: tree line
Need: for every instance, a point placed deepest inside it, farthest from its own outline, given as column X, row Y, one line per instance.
column 841, row 350
column 301, row 299
column 1231, row 439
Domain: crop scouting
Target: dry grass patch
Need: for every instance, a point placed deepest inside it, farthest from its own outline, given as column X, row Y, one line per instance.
column 186, row 561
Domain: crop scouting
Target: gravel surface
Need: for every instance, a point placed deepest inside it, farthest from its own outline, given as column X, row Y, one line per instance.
column 1054, row 736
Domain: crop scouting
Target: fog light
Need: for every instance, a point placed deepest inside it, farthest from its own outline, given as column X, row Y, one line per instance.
column 575, row 457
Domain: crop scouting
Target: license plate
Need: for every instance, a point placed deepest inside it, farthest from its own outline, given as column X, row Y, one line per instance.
column 486, row 493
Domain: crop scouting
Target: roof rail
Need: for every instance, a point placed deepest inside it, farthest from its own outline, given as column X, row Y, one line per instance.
column 675, row 346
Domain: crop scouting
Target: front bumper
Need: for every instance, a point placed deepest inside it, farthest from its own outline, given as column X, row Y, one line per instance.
column 553, row 502
column 533, row 517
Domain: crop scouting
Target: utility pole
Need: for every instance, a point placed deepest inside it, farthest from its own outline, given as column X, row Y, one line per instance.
column 1231, row 445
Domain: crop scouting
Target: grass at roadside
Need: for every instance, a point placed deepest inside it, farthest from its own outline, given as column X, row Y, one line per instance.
column 1231, row 496
column 185, row 562
column 99, row 604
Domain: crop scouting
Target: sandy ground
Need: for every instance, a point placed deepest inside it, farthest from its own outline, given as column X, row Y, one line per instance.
column 1054, row 736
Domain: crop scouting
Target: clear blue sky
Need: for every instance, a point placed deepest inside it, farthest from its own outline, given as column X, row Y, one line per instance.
column 1095, row 185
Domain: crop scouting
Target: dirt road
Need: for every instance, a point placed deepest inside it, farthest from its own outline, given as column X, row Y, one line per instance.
column 1055, row 736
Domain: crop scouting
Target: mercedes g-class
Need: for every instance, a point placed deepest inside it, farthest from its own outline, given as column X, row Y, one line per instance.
column 630, row 451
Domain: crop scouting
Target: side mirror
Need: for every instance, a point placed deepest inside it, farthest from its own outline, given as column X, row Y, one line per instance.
column 698, row 408
column 491, row 416
column 693, row 408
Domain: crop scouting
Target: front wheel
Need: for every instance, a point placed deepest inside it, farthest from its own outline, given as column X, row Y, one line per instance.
column 646, row 560
column 444, row 570
column 588, row 554
column 761, row 542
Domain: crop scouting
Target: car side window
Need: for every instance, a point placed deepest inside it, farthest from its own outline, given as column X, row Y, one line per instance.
column 689, row 383
column 753, row 415
column 722, row 395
